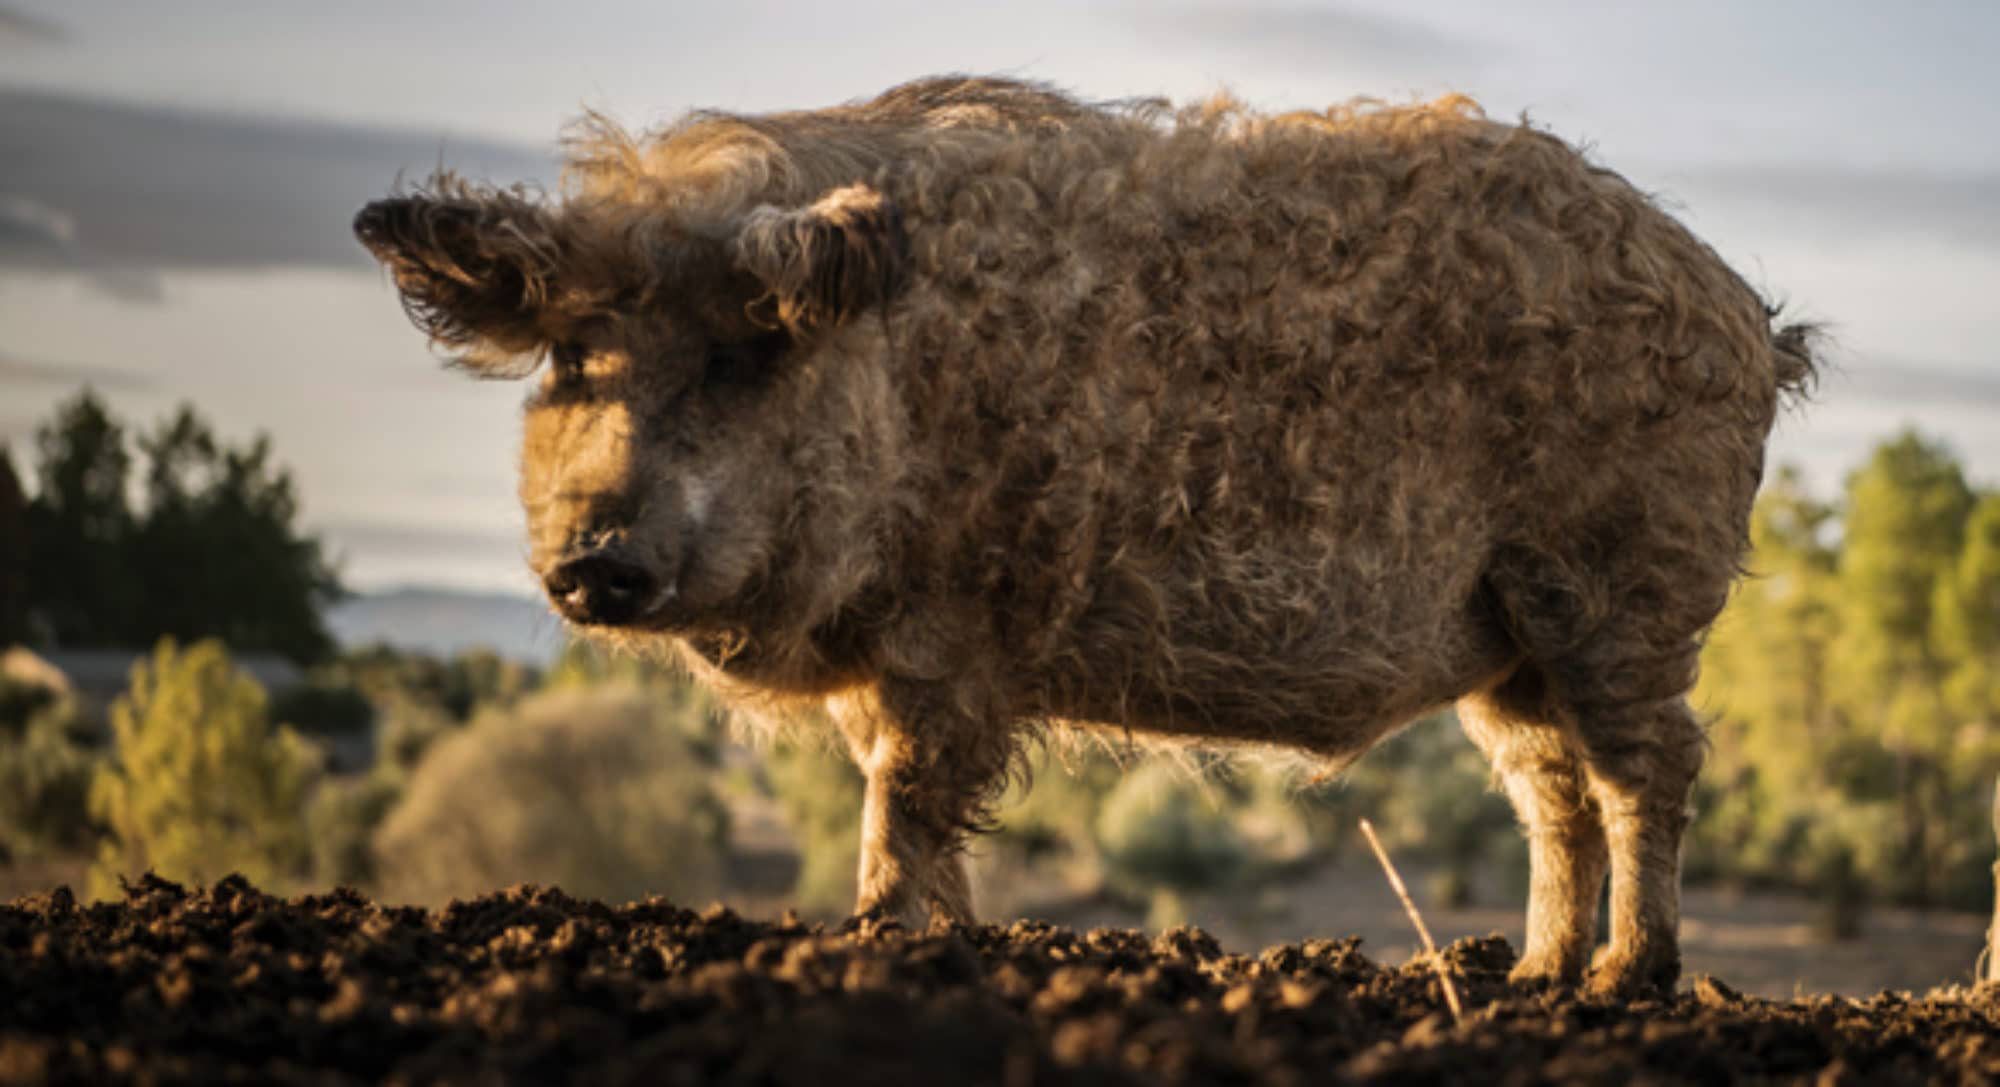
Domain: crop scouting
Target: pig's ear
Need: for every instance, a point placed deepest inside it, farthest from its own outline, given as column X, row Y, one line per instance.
column 473, row 266
column 823, row 263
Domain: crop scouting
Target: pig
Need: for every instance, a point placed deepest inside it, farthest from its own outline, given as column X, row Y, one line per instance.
column 975, row 409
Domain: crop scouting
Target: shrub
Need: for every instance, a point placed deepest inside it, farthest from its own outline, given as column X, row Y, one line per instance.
column 599, row 791
column 44, row 781
column 1054, row 819
column 1160, row 832
column 320, row 708
column 819, row 790
column 409, row 726
column 199, row 784
column 342, row 820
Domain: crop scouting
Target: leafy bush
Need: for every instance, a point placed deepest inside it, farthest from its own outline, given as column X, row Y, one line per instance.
column 322, row 708
column 819, row 790
column 1161, row 831
column 199, row 784
column 45, row 775
column 1054, row 819
column 407, row 729
column 20, row 703
column 601, row 791
column 458, row 687
column 342, row 820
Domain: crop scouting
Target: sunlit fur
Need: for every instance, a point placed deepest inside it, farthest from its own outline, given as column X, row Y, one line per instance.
column 1279, row 430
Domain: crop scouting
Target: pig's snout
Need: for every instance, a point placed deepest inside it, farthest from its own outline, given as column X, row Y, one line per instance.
column 600, row 587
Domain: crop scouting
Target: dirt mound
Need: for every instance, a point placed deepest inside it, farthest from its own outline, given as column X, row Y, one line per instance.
column 532, row 986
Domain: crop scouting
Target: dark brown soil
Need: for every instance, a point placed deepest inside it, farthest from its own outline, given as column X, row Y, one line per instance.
column 530, row 986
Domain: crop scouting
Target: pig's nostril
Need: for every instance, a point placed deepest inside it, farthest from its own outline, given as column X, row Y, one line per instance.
column 599, row 589
column 628, row 581
column 561, row 583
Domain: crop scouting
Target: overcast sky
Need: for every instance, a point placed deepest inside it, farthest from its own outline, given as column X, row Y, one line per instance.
column 176, row 182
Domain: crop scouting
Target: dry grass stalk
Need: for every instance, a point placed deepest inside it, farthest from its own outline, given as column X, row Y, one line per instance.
column 1410, row 906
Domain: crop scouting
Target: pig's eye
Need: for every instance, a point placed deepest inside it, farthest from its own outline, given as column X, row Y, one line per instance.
column 566, row 359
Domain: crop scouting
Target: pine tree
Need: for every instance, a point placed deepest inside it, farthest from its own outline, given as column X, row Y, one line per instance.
column 13, row 554
column 1905, row 524
column 213, row 551
column 1966, row 614
column 80, row 525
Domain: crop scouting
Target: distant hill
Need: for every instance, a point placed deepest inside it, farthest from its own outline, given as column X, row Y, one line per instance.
column 446, row 621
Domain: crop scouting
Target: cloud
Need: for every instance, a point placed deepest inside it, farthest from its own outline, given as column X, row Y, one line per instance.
column 1895, row 384
column 18, row 27
column 16, row 370
column 1312, row 40
column 26, row 223
column 1845, row 203
column 35, row 234
column 119, row 193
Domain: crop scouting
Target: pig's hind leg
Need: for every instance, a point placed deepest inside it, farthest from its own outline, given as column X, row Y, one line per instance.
column 1643, row 757
column 1616, row 653
column 931, row 769
column 1641, row 748
column 1537, row 760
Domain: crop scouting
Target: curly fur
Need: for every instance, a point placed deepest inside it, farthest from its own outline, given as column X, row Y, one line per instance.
column 1277, row 430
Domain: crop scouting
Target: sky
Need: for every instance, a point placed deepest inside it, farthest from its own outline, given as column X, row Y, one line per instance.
column 176, row 182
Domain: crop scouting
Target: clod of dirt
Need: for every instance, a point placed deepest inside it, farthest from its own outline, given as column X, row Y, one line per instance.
column 529, row 986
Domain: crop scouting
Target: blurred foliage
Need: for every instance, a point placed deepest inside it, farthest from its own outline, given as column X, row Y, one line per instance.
column 1164, row 834
column 321, row 706
column 200, row 784
column 1155, row 828
column 411, row 701
column 583, row 664
column 1856, row 682
column 45, row 772
column 13, row 553
column 1432, row 799
column 819, row 789
column 212, row 550
column 455, row 687
column 605, row 792
column 341, row 821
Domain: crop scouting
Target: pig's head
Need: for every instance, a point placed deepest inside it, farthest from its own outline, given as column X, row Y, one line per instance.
column 688, row 384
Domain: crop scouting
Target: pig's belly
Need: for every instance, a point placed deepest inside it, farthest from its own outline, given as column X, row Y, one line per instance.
column 1331, row 679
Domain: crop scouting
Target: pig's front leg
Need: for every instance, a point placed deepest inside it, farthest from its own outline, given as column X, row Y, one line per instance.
column 932, row 767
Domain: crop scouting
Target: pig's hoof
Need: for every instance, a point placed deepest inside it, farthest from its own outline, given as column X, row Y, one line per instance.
column 1545, row 973
column 1628, row 976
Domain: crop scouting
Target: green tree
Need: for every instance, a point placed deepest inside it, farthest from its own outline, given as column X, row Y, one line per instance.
column 13, row 554
column 212, row 551
column 1765, row 670
column 1854, row 678
column 1904, row 527
column 1967, row 618
column 205, row 499
column 80, row 525
column 200, row 784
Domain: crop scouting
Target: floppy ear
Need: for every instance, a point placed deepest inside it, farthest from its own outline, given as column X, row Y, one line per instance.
column 825, row 262
column 473, row 266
